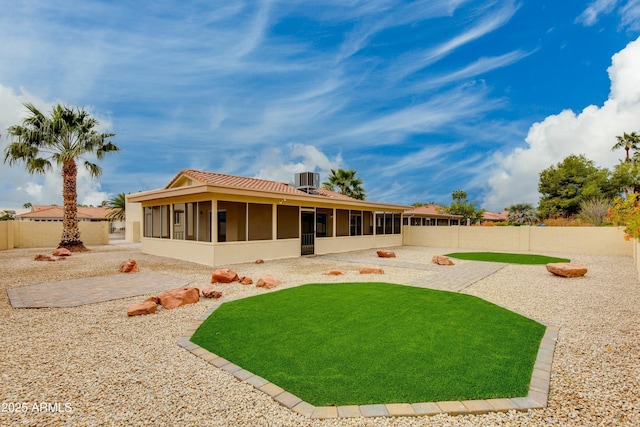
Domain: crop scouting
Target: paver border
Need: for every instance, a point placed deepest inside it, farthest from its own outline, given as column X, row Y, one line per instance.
column 537, row 397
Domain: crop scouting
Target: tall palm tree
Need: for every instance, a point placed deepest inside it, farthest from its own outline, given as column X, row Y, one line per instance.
column 628, row 141
column 118, row 204
column 63, row 138
column 459, row 196
column 346, row 183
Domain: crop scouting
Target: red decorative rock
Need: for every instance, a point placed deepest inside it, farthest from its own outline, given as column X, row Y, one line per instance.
column 211, row 292
column 129, row 266
column 386, row 254
column 259, row 261
column 62, row 252
column 178, row 297
column 268, row 282
column 441, row 260
column 566, row 269
column 246, row 281
column 146, row 307
column 371, row 270
column 333, row 273
column 44, row 258
column 224, row 275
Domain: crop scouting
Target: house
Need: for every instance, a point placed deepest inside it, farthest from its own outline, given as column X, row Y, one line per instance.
column 216, row 219
column 429, row 215
column 494, row 216
column 56, row 213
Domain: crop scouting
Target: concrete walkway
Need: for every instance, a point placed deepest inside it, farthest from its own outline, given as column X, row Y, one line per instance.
column 72, row 293
column 446, row 277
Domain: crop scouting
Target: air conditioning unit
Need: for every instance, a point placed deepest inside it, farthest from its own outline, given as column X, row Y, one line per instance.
column 307, row 181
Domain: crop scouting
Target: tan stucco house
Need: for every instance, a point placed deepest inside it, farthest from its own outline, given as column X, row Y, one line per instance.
column 218, row 219
column 429, row 215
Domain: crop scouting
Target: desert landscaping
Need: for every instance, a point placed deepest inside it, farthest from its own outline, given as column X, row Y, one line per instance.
column 95, row 365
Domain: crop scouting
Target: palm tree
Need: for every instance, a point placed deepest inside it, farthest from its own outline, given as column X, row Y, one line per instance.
column 66, row 136
column 118, row 204
column 27, row 205
column 346, row 183
column 459, row 195
column 521, row 213
column 628, row 141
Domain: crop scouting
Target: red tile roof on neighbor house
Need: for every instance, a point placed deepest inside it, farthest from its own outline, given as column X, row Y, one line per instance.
column 224, row 180
column 431, row 210
column 493, row 216
column 55, row 211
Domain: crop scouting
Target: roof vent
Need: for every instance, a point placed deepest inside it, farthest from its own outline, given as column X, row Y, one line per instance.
column 307, row 181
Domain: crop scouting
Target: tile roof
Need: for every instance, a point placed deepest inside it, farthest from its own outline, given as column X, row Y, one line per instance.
column 429, row 210
column 493, row 216
column 224, row 180
column 56, row 211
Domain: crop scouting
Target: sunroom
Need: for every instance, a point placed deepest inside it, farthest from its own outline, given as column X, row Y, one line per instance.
column 218, row 219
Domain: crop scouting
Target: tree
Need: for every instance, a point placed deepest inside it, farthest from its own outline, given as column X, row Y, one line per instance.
column 346, row 183
column 27, row 205
column 6, row 216
column 568, row 183
column 628, row 141
column 521, row 213
column 595, row 210
column 118, row 204
column 460, row 206
column 66, row 136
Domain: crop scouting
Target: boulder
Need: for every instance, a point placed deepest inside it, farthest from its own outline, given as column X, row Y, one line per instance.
column 224, row 275
column 371, row 270
column 386, row 254
column 178, row 297
column 441, row 260
column 129, row 266
column 333, row 273
column 44, row 258
column 246, row 281
column 211, row 292
column 62, row 252
column 566, row 269
column 259, row 261
column 268, row 282
column 145, row 307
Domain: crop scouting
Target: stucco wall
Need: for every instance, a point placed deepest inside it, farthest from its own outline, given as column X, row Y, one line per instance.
column 329, row 245
column 32, row 234
column 577, row 240
column 133, row 222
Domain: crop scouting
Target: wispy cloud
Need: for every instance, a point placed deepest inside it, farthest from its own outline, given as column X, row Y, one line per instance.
column 594, row 10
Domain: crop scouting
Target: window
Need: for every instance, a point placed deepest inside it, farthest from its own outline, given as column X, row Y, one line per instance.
column 156, row 221
column 324, row 222
column 342, row 222
column 288, row 222
column 192, row 221
column 355, row 221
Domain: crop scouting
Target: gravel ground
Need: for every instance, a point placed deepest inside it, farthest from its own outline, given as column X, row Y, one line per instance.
column 93, row 365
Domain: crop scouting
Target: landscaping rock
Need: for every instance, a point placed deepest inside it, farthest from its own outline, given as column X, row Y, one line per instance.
column 259, row 261
column 145, row 307
column 371, row 270
column 441, row 260
column 44, row 258
column 62, row 252
column 566, row 269
column 333, row 273
column 386, row 254
column 178, row 297
column 211, row 292
column 246, row 281
column 129, row 266
column 268, row 282
column 224, row 275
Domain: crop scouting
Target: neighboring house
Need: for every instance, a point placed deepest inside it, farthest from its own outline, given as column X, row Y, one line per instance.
column 56, row 213
column 217, row 219
column 494, row 216
column 429, row 215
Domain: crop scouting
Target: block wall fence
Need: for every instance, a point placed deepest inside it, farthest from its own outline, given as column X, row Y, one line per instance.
column 33, row 234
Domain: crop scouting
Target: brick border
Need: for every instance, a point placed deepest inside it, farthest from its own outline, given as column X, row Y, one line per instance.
column 537, row 397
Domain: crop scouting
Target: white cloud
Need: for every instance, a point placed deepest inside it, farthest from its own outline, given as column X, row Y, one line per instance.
column 596, row 8
column 591, row 132
column 279, row 166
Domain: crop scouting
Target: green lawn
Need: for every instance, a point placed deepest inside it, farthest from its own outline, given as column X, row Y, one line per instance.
column 507, row 258
column 362, row 343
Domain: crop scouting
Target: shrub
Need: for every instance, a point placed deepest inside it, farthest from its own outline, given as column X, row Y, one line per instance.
column 626, row 212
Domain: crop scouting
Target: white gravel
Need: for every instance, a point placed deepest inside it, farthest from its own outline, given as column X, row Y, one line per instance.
column 93, row 365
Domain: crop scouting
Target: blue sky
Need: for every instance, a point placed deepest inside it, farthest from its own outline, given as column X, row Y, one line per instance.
column 421, row 98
